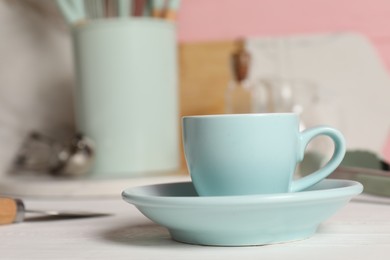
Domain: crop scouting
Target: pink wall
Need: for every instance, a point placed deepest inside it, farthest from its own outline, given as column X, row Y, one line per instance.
column 204, row 20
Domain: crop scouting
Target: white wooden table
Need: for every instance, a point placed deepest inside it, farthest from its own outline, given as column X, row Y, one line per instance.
column 361, row 230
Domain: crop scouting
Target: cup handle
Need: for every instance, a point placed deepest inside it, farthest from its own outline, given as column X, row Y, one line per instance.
column 339, row 151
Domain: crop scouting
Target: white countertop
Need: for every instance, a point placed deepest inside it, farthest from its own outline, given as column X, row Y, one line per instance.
column 361, row 230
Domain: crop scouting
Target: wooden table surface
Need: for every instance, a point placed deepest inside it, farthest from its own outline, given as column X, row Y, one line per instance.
column 361, row 230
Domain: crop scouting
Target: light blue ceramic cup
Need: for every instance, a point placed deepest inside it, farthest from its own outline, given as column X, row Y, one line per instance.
column 252, row 153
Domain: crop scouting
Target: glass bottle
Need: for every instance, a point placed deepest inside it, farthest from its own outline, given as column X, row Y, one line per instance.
column 239, row 92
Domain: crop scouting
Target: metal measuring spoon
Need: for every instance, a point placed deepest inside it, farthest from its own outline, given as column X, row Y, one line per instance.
column 40, row 153
column 76, row 159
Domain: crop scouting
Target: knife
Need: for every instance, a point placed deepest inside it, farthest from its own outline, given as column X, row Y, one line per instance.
column 13, row 211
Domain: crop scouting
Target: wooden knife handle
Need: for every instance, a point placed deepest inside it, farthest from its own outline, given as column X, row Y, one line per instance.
column 11, row 210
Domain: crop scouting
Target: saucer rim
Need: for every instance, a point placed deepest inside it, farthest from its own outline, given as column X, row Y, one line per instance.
column 348, row 188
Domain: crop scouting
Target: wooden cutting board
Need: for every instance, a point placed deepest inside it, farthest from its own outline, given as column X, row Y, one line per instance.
column 204, row 76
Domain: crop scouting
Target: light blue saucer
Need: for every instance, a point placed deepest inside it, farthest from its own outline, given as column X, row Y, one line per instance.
column 240, row 220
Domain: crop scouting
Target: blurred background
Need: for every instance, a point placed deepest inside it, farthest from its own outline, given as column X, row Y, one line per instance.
column 328, row 61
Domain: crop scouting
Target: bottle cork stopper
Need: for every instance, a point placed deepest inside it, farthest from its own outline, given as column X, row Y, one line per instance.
column 240, row 61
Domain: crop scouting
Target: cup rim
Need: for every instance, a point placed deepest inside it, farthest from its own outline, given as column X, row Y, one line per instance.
column 284, row 114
